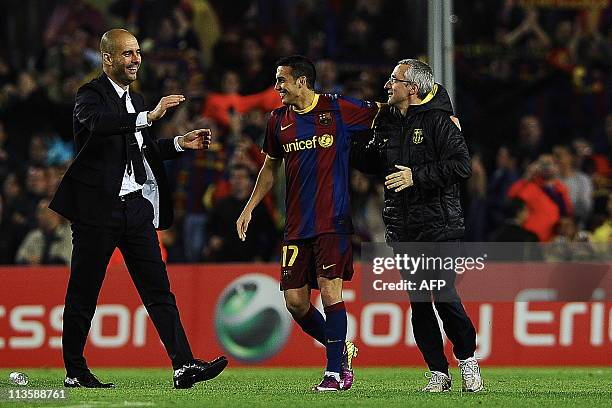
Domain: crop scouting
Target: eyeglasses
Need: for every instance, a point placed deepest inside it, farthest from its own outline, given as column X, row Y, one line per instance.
column 394, row 80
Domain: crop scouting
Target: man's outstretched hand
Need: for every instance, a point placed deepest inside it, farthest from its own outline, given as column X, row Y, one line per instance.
column 164, row 104
column 196, row 139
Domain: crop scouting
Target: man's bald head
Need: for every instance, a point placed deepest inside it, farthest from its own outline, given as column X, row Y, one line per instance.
column 112, row 38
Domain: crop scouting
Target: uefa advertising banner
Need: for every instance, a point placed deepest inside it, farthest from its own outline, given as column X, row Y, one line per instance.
column 238, row 310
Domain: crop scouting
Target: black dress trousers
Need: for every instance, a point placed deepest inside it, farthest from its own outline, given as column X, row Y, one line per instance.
column 130, row 228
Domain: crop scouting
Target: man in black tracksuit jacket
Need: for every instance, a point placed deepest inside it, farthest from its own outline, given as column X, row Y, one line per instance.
column 418, row 146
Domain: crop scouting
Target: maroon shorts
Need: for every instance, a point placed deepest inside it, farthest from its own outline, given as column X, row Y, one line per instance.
column 326, row 255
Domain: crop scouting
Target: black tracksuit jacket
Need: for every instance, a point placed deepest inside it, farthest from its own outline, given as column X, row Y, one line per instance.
column 427, row 141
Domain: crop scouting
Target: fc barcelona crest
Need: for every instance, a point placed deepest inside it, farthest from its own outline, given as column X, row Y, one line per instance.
column 417, row 136
column 325, row 118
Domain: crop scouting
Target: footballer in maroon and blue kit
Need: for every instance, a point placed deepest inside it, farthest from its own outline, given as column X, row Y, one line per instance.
column 312, row 134
column 315, row 143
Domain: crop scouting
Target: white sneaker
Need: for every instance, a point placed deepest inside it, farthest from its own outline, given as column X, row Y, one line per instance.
column 438, row 382
column 470, row 375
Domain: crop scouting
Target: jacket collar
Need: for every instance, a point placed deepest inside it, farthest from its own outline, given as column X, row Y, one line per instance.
column 119, row 90
column 105, row 82
column 436, row 99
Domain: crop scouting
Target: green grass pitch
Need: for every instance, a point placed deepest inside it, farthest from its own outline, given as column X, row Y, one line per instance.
column 290, row 388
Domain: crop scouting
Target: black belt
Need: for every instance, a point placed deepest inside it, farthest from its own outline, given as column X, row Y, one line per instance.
column 131, row 196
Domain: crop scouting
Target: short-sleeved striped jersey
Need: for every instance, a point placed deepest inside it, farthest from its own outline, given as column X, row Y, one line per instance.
column 315, row 143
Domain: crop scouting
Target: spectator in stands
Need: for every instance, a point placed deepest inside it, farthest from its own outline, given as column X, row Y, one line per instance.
column 35, row 190
column 475, row 226
column 570, row 243
column 176, row 34
column 579, row 185
column 594, row 57
column 224, row 244
column 327, row 77
column 66, row 16
column 195, row 174
column 603, row 137
column 356, row 46
column 566, row 230
column 367, row 207
column 38, row 151
column 227, row 51
column 36, row 184
column 390, row 50
column 241, row 146
column 595, row 165
column 219, row 106
column 14, row 224
column 546, row 197
column 603, row 233
column 562, row 56
column 530, row 139
column 506, row 172
column 7, row 162
column 7, row 75
column 28, row 97
column 254, row 70
column 284, row 46
column 187, row 39
column 528, row 30
column 244, row 143
column 50, row 243
column 365, row 86
column 512, row 230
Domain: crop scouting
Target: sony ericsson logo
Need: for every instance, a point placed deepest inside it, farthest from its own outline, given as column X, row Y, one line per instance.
column 251, row 320
column 326, row 140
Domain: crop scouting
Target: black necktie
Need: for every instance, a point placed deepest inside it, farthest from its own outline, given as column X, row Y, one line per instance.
column 133, row 153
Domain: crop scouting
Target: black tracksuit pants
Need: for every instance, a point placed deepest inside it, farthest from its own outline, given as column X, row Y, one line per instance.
column 457, row 324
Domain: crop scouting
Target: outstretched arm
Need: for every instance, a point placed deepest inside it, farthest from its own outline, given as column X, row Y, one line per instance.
column 91, row 111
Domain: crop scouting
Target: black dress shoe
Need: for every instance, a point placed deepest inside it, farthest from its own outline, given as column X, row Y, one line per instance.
column 197, row 371
column 87, row 381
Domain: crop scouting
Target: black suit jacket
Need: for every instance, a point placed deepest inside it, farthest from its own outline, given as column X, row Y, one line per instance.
column 92, row 183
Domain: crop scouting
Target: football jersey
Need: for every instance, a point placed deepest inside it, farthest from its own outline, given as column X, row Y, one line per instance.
column 315, row 143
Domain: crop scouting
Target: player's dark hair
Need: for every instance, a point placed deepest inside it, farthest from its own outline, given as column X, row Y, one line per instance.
column 300, row 66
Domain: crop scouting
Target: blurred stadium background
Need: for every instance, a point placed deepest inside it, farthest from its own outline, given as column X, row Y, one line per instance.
column 531, row 84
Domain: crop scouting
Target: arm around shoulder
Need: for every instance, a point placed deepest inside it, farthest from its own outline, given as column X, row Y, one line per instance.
column 365, row 154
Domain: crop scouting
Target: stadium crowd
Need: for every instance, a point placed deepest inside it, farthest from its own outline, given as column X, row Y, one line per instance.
column 533, row 95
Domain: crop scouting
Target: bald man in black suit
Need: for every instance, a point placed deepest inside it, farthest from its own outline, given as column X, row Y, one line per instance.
column 116, row 195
